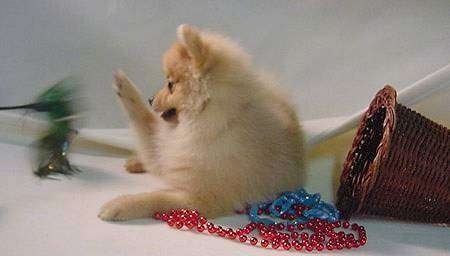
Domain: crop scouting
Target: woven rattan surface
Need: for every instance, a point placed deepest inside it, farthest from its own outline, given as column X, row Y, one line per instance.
column 398, row 165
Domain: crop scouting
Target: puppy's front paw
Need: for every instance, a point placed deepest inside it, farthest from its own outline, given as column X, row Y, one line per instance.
column 122, row 208
column 125, row 89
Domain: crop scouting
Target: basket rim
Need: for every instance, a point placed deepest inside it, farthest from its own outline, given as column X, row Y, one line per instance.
column 362, row 183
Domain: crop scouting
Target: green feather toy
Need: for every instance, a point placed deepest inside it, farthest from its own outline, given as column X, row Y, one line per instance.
column 57, row 103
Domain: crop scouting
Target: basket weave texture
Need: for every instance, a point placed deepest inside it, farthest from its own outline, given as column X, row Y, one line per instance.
column 398, row 166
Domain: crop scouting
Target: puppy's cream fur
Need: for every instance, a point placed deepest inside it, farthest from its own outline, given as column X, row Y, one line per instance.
column 234, row 140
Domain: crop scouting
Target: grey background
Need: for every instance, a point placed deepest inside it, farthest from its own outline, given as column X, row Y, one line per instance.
column 331, row 55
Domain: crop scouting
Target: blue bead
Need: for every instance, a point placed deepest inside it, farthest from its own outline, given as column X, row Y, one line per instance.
column 301, row 219
column 326, row 207
column 301, row 191
column 285, row 207
column 292, row 196
column 312, row 201
column 272, row 209
column 253, row 213
column 314, row 213
column 291, row 211
column 65, row 145
column 332, row 219
column 266, row 221
column 264, row 205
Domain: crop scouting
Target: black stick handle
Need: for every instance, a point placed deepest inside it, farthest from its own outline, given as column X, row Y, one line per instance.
column 32, row 105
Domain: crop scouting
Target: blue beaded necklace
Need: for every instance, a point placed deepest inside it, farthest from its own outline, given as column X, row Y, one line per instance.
column 285, row 205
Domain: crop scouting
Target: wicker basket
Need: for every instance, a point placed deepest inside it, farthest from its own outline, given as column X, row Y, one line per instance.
column 399, row 165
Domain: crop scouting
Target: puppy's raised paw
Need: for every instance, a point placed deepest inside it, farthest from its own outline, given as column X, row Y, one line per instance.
column 131, row 99
column 125, row 89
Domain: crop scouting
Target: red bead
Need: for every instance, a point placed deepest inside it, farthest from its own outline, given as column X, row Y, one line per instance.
column 189, row 224
column 300, row 226
column 200, row 228
column 264, row 243
column 280, row 226
column 171, row 222
column 304, row 236
column 164, row 217
column 294, row 235
column 290, row 228
column 345, row 224
column 253, row 241
column 251, row 226
column 349, row 237
column 211, row 229
column 309, row 247
column 337, row 224
column 354, row 226
column 348, row 244
column 202, row 220
column 179, row 224
column 297, row 246
column 330, row 246
column 321, row 238
column 231, row 235
column 286, row 246
column 333, row 235
column 275, row 245
column 320, row 247
column 285, row 236
column 221, row 232
column 362, row 241
column 157, row 215
column 242, row 238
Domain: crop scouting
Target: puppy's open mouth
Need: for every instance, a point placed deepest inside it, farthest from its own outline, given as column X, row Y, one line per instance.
column 170, row 114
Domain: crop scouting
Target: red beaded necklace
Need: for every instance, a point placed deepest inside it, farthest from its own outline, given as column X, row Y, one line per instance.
column 315, row 234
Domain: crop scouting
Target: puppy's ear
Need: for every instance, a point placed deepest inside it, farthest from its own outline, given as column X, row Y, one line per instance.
column 191, row 38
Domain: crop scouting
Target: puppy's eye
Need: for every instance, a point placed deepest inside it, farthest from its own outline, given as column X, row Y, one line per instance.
column 170, row 86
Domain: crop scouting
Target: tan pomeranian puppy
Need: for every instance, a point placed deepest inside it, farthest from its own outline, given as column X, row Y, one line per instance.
column 218, row 132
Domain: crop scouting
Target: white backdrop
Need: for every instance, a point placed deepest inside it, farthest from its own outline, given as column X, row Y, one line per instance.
column 332, row 55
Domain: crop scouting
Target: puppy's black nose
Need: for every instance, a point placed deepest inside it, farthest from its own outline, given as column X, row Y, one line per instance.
column 150, row 100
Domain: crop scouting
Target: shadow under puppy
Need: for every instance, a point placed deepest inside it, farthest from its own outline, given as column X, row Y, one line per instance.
column 218, row 132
